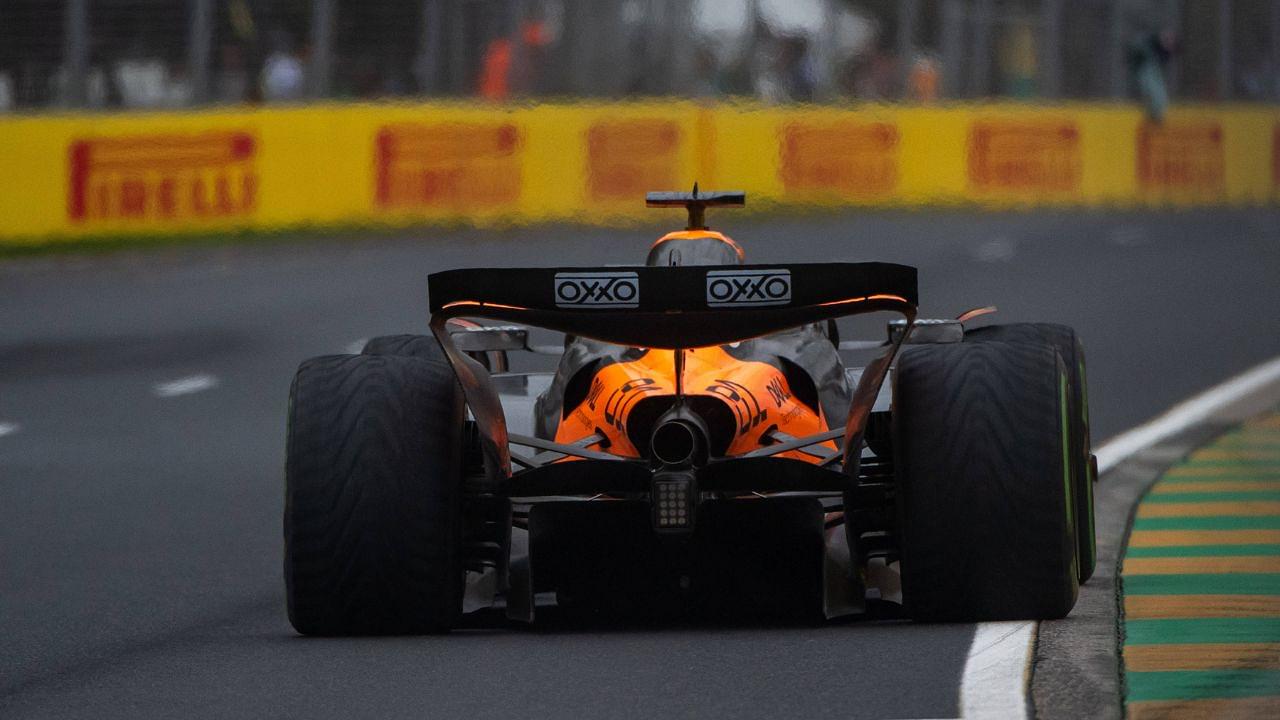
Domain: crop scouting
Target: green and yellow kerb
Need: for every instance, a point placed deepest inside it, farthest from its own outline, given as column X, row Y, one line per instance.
column 1202, row 584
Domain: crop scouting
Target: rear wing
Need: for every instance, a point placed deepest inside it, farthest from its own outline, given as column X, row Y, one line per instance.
column 674, row 307
column 666, row 307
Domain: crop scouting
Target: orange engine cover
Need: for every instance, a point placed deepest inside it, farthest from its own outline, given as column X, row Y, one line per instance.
column 744, row 399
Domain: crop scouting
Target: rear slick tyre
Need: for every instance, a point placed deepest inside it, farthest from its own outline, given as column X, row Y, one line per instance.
column 372, row 522
column 425, row 347
column 982, row 460
column 1068, row 344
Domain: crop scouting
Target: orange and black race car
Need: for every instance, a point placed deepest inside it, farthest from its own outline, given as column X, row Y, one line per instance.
column 706, row 444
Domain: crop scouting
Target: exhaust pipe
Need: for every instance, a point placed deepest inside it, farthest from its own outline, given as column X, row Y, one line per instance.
column 679, row 438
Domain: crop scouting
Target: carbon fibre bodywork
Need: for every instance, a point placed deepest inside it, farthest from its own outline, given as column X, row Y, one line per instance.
column 806, row 356
column 665, row 308
column 695, row 395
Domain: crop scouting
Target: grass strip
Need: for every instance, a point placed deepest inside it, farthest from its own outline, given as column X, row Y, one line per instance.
column 1213, row 522
column 1161, row 631
column 1205, row 584
column 1203, row 550
column 1200, row 684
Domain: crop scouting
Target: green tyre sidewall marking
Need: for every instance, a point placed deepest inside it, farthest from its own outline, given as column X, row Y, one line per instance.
column 1088, row 479
column 1064, row 423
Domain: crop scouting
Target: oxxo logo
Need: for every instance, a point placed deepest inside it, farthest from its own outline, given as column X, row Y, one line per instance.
column 597, row 289
column 748, row 287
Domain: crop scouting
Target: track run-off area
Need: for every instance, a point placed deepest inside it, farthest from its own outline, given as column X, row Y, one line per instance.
column 142, row 404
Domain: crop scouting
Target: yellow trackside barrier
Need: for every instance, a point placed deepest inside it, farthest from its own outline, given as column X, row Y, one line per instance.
column 83, row 175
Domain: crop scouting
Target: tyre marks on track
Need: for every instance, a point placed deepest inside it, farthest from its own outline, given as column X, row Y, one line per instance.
column 1202, row 583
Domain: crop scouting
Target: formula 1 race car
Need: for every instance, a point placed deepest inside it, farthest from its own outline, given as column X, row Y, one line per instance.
column 704, row 446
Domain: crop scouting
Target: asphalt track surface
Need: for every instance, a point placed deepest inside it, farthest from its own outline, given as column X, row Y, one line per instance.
column 140, row 542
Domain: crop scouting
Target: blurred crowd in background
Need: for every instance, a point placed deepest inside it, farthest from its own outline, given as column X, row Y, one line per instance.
column 178, row 53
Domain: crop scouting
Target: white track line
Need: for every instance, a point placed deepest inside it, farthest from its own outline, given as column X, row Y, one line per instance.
column 9, row 428
column 1188, row 413
column 185, row 385
column 1000, row 249
column 997, row 671
column 1129, row 235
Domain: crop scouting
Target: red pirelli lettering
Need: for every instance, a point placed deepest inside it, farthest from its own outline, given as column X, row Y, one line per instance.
column 162, row 177
column 453, row 166
column 1039, row 156
column 1275, row 157
column 849, row 159
column 627, row 157
column 1181, row 156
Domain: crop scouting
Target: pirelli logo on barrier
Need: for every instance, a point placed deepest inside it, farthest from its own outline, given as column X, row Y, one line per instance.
column 162, row 178
column 1015, row 157
column 447, row 166
column 597, row 290
column 627, row 157
column 845, row 159
column 748, row 288
column 1275, row 157
column 1183, row 157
